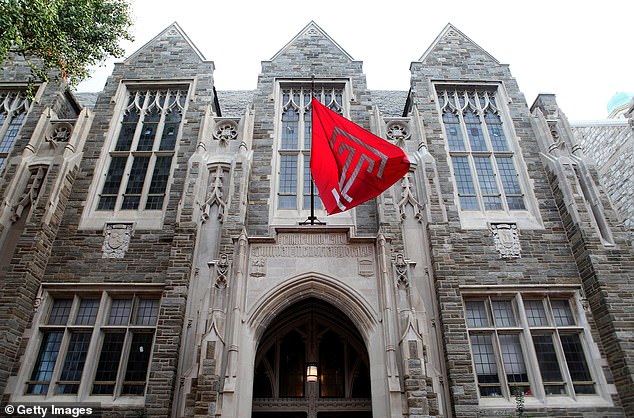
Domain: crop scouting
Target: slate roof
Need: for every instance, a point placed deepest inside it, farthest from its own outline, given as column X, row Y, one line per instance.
column 86, row 99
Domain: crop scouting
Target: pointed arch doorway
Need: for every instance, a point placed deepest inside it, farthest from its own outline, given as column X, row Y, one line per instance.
column 311, row 362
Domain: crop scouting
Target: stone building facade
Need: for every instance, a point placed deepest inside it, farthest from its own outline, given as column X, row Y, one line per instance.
column 610, row 143
column 156, row 260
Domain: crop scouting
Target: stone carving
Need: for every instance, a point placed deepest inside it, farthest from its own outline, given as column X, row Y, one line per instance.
column 400, row 265
column 408, row 197
column 258, row 267
column 59, row 132
column 225, row 131
column 116, row 240
column 366, row 268
column 222, row 268
column 558, row 146
column 31, row 191
column 507, row 240
column 215, row 194
column 397, row 131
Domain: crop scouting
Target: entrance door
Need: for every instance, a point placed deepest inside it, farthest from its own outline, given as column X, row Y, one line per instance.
column 311, row 363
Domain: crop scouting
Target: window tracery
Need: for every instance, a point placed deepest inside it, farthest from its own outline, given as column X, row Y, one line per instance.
column 14, row 106
column 294, row 183
column 141, row 159
column 483, row 162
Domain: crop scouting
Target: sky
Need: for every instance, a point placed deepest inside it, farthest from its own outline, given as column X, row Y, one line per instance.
column 581, row 51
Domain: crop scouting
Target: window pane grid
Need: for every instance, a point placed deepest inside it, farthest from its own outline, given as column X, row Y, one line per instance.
column 503, row 313
column 120, row 312
column 147, row 312
column 60, row 312
column 535, row 313
column 12, row 132
column 464, row 181
column 111, row 187
column 485, row 365
column 577, row 366
column 160, row 177
column 106, row 375
column 45, row 363
column 87, row 312
column 132, row 196
column 562, row 313
column 74, row 362
column 476, row 314
column 138, row 360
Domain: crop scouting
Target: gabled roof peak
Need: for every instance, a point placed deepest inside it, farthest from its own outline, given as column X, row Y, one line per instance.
column 451, row 31
column 311, row 29
column 172, row 30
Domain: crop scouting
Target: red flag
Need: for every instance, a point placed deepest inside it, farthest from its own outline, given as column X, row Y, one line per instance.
column 349, row 164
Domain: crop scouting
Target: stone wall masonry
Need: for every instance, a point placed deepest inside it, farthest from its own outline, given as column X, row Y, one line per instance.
column 20, row 283
column 468, row 257
column 610, row 144
column 154, row 256
column 605, row 269
column 309, row 54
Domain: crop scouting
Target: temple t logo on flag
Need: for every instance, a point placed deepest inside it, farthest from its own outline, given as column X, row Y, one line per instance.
column 349, row 164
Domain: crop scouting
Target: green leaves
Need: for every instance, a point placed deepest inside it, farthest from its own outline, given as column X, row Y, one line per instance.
column 62, row 38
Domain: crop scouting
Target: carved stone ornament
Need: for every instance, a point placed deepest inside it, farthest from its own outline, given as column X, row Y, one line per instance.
column 116, row 240
column 59, row 132
column 507, row 240
column 215, row 194
column 258, row 267
column 366, row 268
column 397, row 131
column 31, row 191
column 225, row 131
column 400, row 265
column 408, row 197
column 222, row 268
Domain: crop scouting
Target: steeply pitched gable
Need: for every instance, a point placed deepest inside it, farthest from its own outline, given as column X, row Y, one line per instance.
column 452, row 38
column 173, row 34
column 311, row 33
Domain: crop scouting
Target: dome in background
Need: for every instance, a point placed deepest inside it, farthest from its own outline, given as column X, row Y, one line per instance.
column 619, row 103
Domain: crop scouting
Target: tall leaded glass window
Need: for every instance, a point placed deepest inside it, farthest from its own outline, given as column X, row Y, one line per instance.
column 13, row 108
column 507, row 333
column 141, row 158
column 294, row 184
column 116, row 331
column 483, row 163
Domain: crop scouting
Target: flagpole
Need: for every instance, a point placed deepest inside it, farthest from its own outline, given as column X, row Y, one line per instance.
column 312, row 218
column 312, row 184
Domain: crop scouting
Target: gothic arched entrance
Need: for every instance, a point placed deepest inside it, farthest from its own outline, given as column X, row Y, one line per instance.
column 311, row 363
